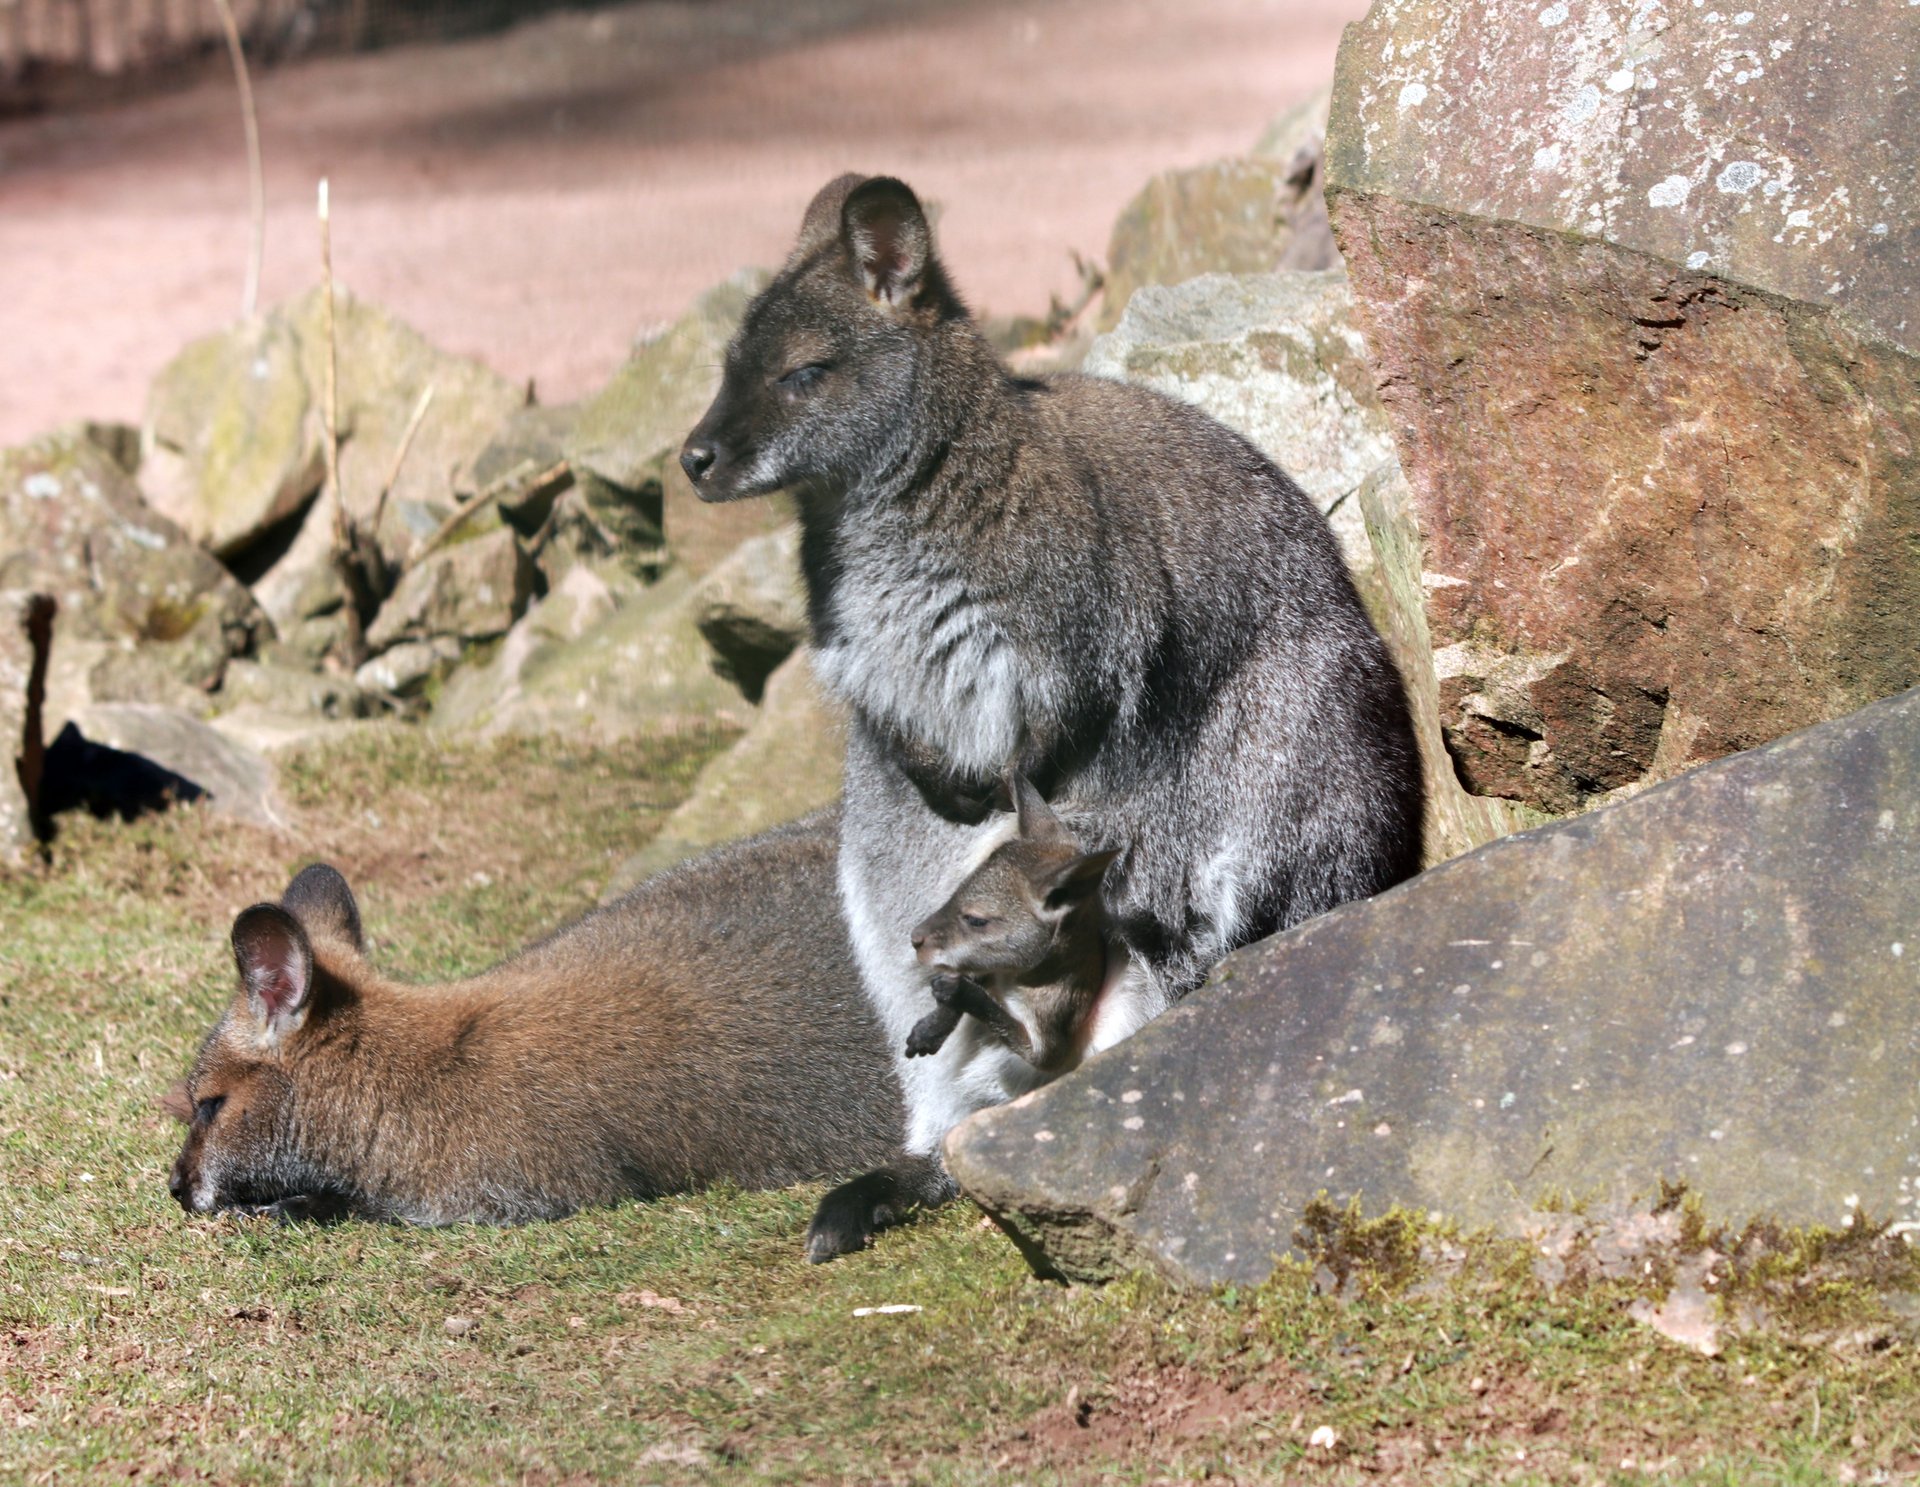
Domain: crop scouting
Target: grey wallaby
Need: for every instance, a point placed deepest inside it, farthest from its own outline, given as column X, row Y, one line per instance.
column 1025, row 934
column 1081, row 579
column 707, row 1026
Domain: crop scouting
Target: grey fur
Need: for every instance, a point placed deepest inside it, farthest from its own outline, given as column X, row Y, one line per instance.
column 1078, row 578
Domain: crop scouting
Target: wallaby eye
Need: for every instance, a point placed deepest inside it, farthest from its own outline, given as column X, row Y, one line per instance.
column 802, row 377
column 976, row 921
column 205, row 1110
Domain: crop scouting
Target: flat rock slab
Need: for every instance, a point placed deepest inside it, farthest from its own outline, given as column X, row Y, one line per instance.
column 238, row 780
column 1717, row 981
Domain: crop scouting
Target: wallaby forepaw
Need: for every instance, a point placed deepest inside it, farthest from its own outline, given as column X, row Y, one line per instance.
column 930, row 1033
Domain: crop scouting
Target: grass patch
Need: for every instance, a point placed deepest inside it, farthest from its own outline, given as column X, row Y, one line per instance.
column 685, row 1340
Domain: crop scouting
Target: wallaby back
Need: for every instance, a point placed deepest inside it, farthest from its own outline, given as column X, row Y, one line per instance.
column 708, row 1026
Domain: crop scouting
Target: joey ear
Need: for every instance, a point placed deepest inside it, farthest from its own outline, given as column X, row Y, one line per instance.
column 1078, row 881
column 887, row 235
column 821, row 225
column 276, row 965
column 321, row 900
column 1037, row 820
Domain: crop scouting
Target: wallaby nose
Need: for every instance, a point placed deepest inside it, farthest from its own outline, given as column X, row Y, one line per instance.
column 696, row 460
column 177, row 1185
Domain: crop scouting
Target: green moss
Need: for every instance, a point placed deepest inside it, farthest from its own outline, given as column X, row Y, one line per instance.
column 1384, row 1252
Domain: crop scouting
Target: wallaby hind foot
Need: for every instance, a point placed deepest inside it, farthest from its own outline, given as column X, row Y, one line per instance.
column 850, row 1215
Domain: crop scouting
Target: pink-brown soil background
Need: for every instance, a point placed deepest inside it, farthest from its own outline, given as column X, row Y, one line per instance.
column 540, row 196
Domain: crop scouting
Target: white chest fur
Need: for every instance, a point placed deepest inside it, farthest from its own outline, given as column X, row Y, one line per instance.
column 913, row 648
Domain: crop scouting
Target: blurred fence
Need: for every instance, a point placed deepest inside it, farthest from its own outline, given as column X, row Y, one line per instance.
column 55, row 48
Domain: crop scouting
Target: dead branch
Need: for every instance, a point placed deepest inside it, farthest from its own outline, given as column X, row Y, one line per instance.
column 256, row 184
column 400, row 456
column 517, row 481
column 356, row 554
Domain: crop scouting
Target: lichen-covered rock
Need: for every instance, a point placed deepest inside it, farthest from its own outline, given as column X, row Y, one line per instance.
column 625, row 441
column 130, row 585
column 384, row 367
column 1713, row 981
column 788, row 763
column 753, row 608
column 1239, row 216
column 232, row 440
column 473, row 588
column 1640, row 291
column 1276, row 357
column 644, row 668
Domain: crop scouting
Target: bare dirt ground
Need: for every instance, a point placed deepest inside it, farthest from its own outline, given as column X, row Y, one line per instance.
column 540, row 196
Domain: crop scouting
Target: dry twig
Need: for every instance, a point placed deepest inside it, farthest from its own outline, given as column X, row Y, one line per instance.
column 356, row 554
column 400, row 455
column 256, row 186
column 515, row 481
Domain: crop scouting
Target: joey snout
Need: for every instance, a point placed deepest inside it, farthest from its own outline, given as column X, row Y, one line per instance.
column 929, row 942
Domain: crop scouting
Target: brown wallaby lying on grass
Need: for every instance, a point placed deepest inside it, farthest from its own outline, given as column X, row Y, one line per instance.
column 1025, row 933
column 708, row 1026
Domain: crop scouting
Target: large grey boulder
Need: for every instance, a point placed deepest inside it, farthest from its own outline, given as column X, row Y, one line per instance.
column 787, row 764
column 1641, row 289
column 1250, row 214
column 624, row 442
column 234, row 434
column 232, row 441
column 237, row 779
column 642, row 668
column 1275, row 356
column 1714, row 981
column 150, row 611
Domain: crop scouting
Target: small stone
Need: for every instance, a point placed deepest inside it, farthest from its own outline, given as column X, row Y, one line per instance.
column 460, row 1326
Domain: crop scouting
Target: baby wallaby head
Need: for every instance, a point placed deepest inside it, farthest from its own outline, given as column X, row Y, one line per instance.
column 1032, row 905
column 298, row 962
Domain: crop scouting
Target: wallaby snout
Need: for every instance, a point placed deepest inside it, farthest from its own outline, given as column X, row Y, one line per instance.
column 696, row 460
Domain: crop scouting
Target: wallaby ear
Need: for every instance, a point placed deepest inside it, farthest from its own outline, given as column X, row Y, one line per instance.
column 176, row 1103
column 1037, row 820
column 887, row 235
column 1078, row 881
column 321, row 900
column 276, row 965
column 821, row 225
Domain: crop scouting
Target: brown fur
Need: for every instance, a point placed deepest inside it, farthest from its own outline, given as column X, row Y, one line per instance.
column 1025, row 931
column 709, row 1026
